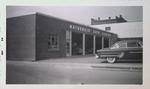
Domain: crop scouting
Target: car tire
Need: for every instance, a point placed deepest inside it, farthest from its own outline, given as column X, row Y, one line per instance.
column 111, row 59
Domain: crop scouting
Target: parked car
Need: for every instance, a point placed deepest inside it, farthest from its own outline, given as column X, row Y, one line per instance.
column 122, row 50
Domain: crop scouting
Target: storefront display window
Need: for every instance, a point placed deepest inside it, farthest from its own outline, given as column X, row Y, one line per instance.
column 106, row 42
column 77, row 43
column 98, row 43
column 88, row 44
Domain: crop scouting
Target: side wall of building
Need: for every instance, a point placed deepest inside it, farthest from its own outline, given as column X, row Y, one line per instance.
column 46, row 26
column 21, row 38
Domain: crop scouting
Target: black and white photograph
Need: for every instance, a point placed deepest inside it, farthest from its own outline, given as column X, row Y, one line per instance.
column 74, row 45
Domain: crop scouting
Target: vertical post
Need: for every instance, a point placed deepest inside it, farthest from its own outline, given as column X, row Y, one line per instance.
column 70, row 42
column 94, row 45
column 102, row 42
column 83, row 46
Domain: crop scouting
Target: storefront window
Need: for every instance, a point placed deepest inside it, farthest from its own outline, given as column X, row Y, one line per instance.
column 53, row 42
column 107, row 28
column 98, row 43
column 106, row 42
column 88, row 44
column 77, row 43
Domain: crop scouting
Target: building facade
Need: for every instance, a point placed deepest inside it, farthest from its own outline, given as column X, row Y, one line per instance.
column 124, row 29
column 117, row 19
column 39, row 36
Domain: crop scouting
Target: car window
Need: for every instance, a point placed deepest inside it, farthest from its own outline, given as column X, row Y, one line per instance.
column 122, row 45
column 119, row 45
column 133, row 44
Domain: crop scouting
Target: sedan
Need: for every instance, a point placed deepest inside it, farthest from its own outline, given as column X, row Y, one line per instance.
column 126, row 49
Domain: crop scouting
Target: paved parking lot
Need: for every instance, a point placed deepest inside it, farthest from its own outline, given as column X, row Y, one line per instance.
column 96, row 63
column 83, row 70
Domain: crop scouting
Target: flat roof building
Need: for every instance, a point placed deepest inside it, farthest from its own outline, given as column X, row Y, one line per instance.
column 100, row 21
column 39, row 36
column 126, row 30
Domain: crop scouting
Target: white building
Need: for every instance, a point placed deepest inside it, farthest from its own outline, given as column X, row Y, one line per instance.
column 124, row 30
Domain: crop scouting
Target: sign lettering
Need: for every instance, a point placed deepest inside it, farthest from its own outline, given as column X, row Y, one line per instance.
column 88, row 30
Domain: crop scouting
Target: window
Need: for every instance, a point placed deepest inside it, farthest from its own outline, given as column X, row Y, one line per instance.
column 107, row 28
column 134, row 44
column 119, row 45
column 122, row 45
column 106, row 42
column 53, row 42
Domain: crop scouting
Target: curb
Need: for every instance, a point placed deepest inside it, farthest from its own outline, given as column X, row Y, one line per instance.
column 119, row 67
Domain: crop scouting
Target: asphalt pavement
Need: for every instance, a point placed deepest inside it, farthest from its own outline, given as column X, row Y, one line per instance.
column 85, row 70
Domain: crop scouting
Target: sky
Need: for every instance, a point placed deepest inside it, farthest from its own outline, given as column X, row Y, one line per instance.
column 80, row 14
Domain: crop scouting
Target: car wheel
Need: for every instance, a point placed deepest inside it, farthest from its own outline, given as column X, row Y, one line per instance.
column 111, row 59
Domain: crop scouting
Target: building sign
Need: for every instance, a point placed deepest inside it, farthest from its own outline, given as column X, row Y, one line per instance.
column 96, row 32
column 88, row 30
column 106, row 34
column 79, row 28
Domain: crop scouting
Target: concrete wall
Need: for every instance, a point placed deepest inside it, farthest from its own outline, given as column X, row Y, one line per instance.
column 46, row 25
column 21, row 38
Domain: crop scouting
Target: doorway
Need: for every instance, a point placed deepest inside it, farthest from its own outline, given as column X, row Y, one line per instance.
column 77, row 42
